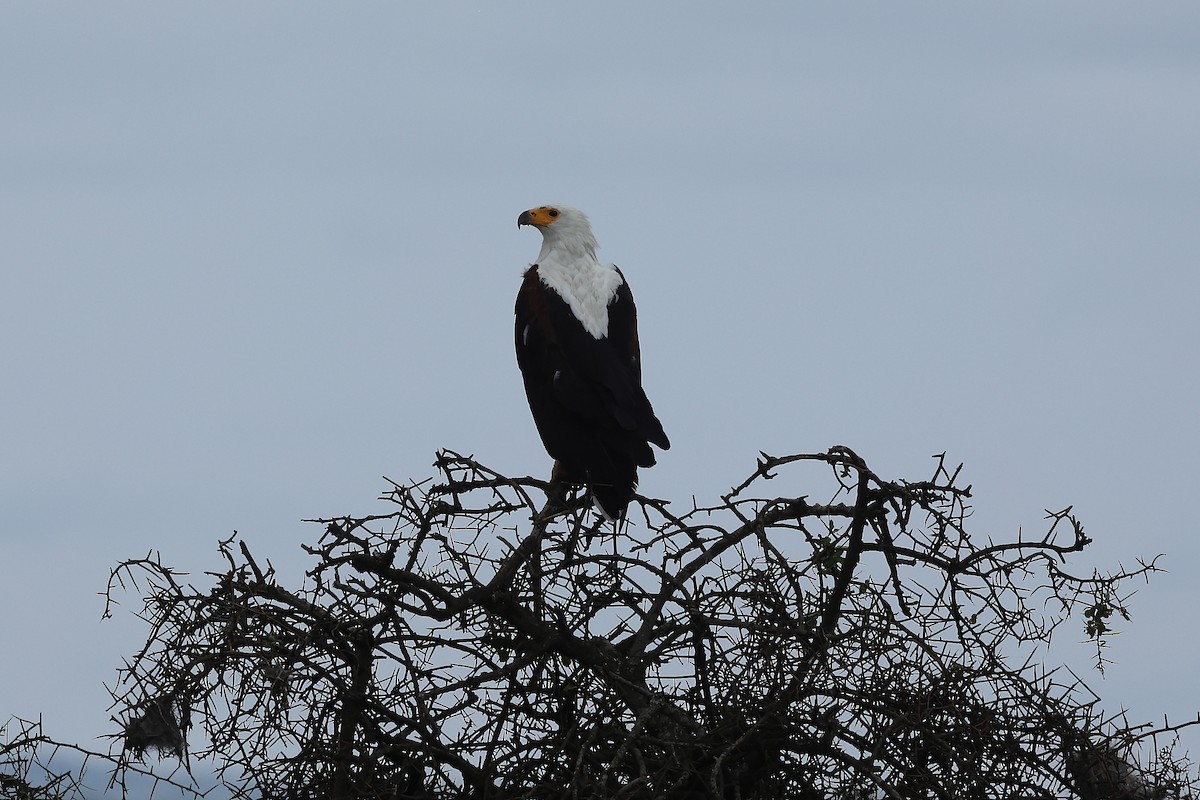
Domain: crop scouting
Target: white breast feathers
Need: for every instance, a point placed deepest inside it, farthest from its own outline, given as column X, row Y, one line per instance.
column 587, row 286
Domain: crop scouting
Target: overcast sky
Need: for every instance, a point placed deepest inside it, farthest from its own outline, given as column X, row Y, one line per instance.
column 257, row 256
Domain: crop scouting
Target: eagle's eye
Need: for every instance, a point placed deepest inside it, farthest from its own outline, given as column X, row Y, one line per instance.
column 553, row 212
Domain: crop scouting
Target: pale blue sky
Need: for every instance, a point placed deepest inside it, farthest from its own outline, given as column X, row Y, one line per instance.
column 258, row 255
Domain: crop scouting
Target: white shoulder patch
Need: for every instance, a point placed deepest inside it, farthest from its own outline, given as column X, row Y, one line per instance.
column 587, row 286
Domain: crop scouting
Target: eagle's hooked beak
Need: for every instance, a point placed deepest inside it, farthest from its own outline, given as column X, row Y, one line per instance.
column 539, row 217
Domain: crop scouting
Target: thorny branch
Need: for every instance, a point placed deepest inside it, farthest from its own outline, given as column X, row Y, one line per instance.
column 486, row 638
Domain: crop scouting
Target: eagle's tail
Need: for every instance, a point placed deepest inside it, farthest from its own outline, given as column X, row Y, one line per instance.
column 612, row 485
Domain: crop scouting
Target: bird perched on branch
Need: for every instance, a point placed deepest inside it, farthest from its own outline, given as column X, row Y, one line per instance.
column 577, row 347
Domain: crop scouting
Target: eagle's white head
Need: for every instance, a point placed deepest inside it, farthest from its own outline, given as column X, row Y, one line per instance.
column 565, row 232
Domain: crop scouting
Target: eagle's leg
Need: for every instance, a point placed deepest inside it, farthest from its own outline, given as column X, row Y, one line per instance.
column 561, row 495
column 560, row 486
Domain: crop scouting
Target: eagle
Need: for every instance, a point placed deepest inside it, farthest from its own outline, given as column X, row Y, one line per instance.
column 577, row 347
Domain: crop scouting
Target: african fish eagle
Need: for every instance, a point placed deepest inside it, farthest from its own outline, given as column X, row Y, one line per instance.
column 577, row 347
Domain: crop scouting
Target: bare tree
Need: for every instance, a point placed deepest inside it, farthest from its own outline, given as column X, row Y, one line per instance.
column 480, row 641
